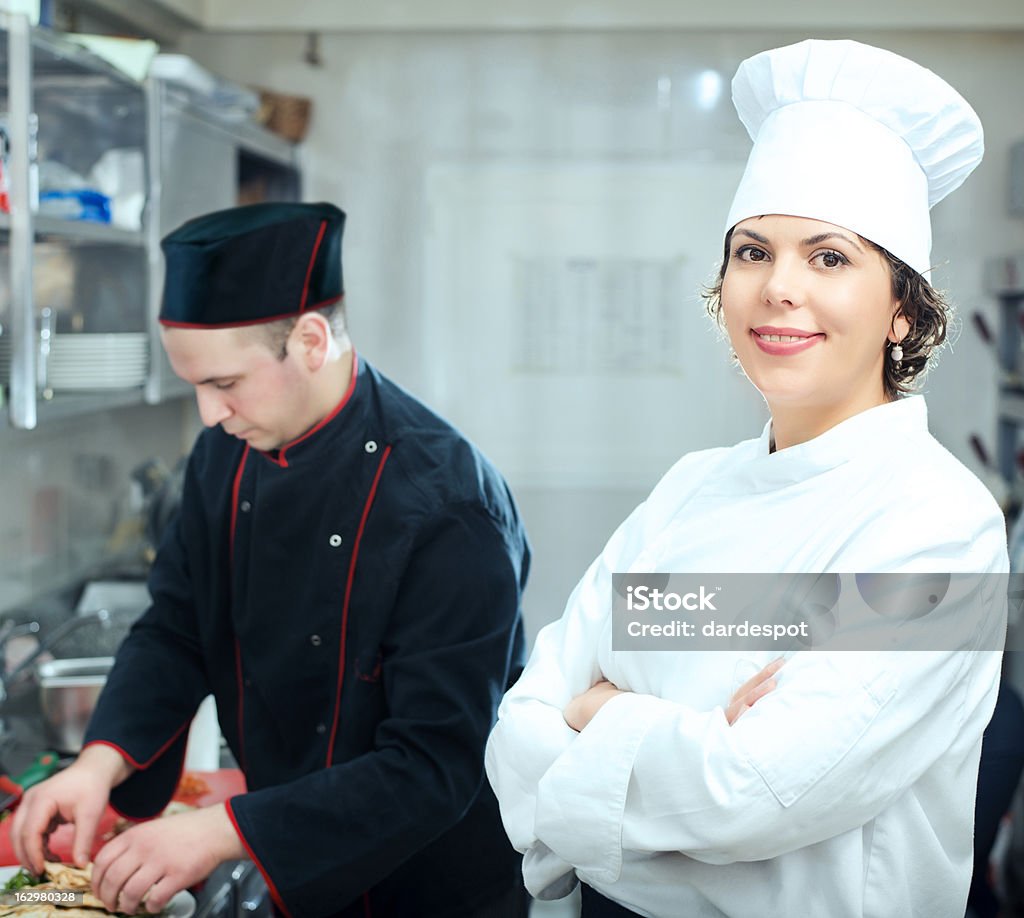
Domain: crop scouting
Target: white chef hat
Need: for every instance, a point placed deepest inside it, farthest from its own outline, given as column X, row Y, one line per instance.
column 855, row 136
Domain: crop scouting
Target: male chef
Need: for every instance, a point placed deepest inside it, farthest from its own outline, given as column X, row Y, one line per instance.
column 344, row 576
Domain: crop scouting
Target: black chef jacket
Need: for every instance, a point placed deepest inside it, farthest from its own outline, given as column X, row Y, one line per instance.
column 352, row 600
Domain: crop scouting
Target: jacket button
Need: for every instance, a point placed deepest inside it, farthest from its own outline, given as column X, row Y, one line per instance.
column 315, row 640
column 248, row 682
column 245, row 506
column 321, row 728
column 371, row 446
column 335, row 540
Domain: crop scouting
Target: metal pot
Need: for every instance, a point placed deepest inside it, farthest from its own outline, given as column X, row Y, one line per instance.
column 68, row 690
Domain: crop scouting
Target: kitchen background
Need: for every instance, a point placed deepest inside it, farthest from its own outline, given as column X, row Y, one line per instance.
column 535, row 193
column 501, row 170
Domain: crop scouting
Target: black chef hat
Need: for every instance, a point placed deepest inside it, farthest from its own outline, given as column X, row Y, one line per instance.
column 252, row 264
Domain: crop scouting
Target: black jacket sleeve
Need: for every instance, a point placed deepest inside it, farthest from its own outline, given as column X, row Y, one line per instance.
column 325, row 838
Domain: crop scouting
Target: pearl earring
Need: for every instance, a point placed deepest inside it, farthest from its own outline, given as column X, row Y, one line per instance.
column 897, row 352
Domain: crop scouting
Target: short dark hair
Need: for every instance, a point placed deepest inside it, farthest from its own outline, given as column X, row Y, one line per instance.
column 925, row 308
column 275, row 334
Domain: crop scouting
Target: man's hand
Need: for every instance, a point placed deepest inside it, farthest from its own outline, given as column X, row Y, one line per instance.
column 754, row 688
column 77, row 795
column 581, row 710
column 152, row 861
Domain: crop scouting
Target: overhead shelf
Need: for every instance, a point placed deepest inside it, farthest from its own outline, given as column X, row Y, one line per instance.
column 56, row 57
column 80, row 231
column 66, row 107
column 72, row 404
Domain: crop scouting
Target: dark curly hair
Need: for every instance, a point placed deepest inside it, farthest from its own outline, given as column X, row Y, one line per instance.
column 925, row 308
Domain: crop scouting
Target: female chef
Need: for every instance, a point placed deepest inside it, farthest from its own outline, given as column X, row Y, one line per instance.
column 839, row 784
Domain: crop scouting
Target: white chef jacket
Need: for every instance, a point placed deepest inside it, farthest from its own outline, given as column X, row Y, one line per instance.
column 848, row 790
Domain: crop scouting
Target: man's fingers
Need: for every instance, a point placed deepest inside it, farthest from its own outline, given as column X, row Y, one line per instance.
column 137, row 888
column 113, row 880
column 159, row 895
column 37, row 821
column 87, row 818
column 106, row 856
column 16, row 820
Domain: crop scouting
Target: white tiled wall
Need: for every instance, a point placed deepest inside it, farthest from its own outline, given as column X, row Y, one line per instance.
column 391, row 107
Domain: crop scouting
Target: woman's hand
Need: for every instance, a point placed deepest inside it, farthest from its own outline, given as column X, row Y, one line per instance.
column 753, row 689
column 581, row 710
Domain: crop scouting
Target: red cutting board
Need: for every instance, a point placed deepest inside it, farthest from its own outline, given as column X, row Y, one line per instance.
column 223, row 784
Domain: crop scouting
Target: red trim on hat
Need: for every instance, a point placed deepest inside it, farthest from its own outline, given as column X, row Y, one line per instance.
column 348, row 597
column 170, row 323
column 280, row 459
column 309, row 267
column 323, row 303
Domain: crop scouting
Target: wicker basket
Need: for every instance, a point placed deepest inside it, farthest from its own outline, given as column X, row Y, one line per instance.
column 287, row 116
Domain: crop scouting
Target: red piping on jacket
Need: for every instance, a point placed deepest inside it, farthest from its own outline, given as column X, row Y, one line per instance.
column 172, row 323
column 348, row 596
column 309, row 268
column 235, row 487
column 142, row 766
column 238, row 649
column 278, row 901
column 280, row 459
column 241, row 702
column 367, row 912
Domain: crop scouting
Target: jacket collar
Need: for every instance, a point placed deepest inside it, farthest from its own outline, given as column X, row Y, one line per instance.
column 753, row 468
column 342, row 421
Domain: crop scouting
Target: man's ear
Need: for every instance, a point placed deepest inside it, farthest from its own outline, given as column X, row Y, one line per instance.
column 311, row 340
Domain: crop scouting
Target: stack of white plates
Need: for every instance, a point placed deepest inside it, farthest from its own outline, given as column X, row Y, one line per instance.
column 98, row 361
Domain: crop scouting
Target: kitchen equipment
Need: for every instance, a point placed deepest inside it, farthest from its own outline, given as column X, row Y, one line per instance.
column 161, row 493
column 68, row 690
column 235, row 889
column 98, row 361
column 52, row 639
column 122, row 600
column 12, row 787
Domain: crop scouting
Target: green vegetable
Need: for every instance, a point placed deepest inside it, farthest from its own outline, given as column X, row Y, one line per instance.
column 22, row 879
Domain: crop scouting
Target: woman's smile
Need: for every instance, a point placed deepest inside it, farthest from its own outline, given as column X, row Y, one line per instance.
column 781, row 342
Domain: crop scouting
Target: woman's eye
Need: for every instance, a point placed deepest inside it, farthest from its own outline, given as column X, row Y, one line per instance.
column 225, row 385
column 750, row 253
column 832, row 259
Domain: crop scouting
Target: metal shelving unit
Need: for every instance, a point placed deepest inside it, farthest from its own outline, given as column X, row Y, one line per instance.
column 82, row 106
column 196, row 160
